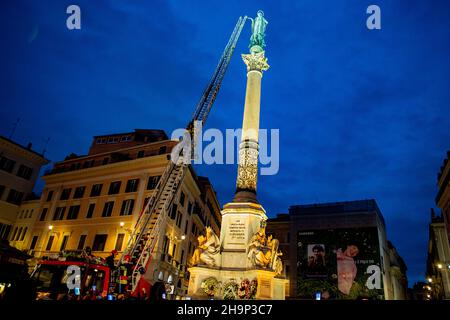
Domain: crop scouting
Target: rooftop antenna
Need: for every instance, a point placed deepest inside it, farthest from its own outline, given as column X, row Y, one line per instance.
column 45, row 146
column 14, row 128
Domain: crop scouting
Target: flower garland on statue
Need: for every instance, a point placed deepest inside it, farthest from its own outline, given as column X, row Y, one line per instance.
column 210, row 286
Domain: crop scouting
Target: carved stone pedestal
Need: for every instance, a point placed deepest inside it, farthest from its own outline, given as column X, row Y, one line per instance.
column 268, row 287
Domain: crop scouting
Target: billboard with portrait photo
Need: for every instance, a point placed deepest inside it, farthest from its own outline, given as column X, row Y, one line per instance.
column 339, row 263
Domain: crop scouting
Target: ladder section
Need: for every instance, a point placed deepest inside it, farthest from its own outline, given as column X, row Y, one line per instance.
column 156, row 225
column 151, row 210
column 210, row 93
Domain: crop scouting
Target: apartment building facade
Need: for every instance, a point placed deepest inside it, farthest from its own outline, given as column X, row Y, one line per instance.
column 95, row 200
column 19, row 170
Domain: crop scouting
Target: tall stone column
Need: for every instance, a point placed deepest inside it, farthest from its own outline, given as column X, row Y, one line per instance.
column 242, row 217
column 247, row 176
column 242, row 234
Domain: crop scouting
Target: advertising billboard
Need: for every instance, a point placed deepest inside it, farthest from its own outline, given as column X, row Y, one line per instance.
column 339, row 264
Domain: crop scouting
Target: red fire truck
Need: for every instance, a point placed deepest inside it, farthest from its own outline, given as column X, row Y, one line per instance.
column 51, row 275
column 97, row 280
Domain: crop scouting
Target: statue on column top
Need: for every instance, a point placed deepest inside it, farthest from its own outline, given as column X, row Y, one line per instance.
column 259, row 25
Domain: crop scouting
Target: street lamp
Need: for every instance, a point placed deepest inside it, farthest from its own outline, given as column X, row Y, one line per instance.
column 50, row 227
column 439, row 265
column 122, row 224
column 430, row 280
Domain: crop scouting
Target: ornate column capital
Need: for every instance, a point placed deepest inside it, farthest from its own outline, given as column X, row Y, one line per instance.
column 255, row 61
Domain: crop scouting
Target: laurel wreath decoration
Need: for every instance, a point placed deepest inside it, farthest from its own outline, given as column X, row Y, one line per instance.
column 210, row 286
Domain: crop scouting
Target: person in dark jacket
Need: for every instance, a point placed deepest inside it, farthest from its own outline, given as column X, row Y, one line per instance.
column 110, row 260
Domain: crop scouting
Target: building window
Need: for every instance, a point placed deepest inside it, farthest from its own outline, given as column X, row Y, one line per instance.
column 174, row 251
column 99, row 242
column 127, row 207
column 73, row 212
column 132, row 185
column 182, row 198
column 119, row 241
column 49, row 243
column 59, row 213
column 75, row 166
column 24, row 172
column 182, row 257
column 43, row 214
column 88, row 164
column 105, row 161
column 145, row 203
column 7, row 164
column 90, row 211
column 79, row 192
column 140, row 154
column 50, row 195
column 166, row 245
column 96, row 190
column 14, row 234
column 18, row 234
column 173, row 213
column 114, row 187
column 186, row 226
column 64, row 243
column 14, row 196
column 107, row 209
column 22, row 237
column 179, row 219
column 2, row 190
column 190, row 207
column 162, row 150
column 33, row 242
column 152, row 182
column 81, row 242
column 65, row 194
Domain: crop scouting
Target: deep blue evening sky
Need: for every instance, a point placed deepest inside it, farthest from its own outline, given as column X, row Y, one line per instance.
column 362, row 114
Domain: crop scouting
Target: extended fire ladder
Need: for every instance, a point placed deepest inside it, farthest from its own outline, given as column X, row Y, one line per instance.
column 153, row 217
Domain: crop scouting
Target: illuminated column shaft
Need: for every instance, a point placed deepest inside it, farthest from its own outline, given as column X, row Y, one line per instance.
column 248, row 148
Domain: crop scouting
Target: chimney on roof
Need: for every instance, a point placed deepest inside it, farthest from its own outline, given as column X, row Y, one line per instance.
column 29, row 145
